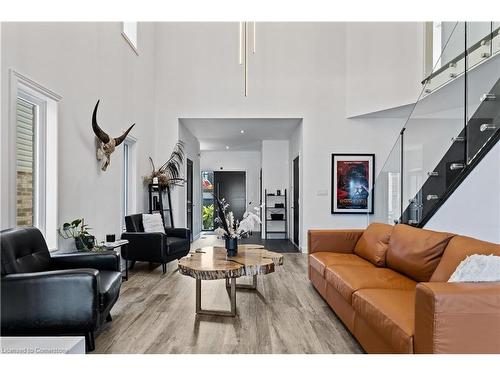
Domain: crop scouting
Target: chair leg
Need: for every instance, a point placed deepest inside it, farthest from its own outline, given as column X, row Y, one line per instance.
column 132, row 264
column 90, row 341
column 164, row 267
column 109, row 318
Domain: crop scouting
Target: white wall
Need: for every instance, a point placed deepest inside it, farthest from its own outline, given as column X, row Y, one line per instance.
column 84, row 62
column 384, row 65
column 299, row 70
column 474, row 208
column 190, row 70
column 275, row 176
column 247, row 161
column 192, row 152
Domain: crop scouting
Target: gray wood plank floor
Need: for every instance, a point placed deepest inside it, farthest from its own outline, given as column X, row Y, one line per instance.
column 155, row 314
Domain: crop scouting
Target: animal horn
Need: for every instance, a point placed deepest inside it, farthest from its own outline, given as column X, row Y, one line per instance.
column 123, row 136
column 103, row 137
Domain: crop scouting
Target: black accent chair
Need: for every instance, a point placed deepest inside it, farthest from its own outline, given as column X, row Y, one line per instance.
column 54, row 294
column 154, row 247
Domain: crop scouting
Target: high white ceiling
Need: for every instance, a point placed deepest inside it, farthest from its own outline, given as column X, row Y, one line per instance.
column 217, row 134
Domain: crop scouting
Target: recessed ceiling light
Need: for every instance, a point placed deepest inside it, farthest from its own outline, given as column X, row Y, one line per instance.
column 227, row 147
column 242, row 131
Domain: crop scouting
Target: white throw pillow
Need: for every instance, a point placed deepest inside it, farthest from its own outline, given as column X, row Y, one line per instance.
column 152, row 223
column 477, row 268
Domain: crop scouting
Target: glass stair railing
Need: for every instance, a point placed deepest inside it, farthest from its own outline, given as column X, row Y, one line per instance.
column 472, row 143
column 450, row 129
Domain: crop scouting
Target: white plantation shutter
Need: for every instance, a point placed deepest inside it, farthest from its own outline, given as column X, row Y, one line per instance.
column 25, row 139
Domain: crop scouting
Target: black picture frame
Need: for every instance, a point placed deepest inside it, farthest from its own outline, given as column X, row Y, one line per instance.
column 356, row 166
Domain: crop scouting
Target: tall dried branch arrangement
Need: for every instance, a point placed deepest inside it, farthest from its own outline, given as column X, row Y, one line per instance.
column 169, row 174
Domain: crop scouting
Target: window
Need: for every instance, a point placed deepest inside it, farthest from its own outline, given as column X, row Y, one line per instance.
column 26, row 114
column 129, row 173
column 433, row 46
column 207, row 188
column 437, row 44
column 129, row 32
column 34, row 135
column 394, row 197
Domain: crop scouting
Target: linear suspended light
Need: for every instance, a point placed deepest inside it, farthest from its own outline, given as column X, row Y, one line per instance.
column 243, row 49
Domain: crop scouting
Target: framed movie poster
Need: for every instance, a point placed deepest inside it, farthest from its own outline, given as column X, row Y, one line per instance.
column 352, row 183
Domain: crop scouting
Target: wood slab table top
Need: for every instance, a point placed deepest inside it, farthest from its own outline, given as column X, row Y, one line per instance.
column 212, row 262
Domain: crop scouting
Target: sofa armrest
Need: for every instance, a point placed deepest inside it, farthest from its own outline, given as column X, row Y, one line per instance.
column 58, row 301
column 457, row 318
column 107, row 260
column 144, row 245
column 333, row 240
column 178, row 232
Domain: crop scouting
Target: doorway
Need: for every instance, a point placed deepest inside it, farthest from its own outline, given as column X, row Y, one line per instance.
column 232, row 187
column 296, row 208
column 189, row 196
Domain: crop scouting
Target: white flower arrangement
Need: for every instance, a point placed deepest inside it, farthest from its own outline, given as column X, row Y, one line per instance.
column 231, row 228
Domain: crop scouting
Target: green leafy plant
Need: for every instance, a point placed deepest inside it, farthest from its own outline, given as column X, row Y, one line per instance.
column 208, row 216
column 75, row 229
column 78, row 230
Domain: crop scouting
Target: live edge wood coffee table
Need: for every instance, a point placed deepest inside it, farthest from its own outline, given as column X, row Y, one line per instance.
column 212, row 263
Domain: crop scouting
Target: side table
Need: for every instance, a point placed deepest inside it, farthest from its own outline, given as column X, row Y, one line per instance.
column 120, row 247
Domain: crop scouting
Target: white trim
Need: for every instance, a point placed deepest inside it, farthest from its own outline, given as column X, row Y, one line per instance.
column 47, row 100
column 134, row 46
column 35, row 85
column 131, row 142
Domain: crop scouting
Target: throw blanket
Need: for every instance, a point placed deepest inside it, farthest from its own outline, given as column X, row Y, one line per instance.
column 477, row 268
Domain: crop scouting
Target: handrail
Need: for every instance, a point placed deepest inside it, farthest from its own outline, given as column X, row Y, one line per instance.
column 462, row 55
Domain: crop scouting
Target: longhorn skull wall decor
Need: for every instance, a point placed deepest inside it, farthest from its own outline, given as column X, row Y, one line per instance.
column 106, row 144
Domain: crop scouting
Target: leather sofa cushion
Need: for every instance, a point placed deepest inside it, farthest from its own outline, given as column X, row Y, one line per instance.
column 338, row 240
column 373, row 243
column 319, row 261
column 349, row 279
column 177, row 245
column 23, row 250
column 457, row 250
column 390, row 313
column 109, row 287
column 416, row 252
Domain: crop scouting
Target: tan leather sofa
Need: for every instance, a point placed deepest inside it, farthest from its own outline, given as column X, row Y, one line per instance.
column 388, row 284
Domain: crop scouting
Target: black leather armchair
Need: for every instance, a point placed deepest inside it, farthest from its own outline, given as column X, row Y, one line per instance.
column 54, row 294
column 154, row 247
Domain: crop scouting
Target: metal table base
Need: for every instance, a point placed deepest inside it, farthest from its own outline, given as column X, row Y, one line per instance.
column 252, row 286
column 232, row 296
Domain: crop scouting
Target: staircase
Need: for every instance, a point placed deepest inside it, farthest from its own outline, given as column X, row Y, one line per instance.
column 466, row 150
column 452, row 126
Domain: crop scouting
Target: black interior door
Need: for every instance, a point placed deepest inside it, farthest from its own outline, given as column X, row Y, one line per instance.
column 189, row 196
column 296, row 211
column 232, row 186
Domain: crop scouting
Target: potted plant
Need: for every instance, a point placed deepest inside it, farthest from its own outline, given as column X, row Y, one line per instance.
column 232, row 230
column 78, row 230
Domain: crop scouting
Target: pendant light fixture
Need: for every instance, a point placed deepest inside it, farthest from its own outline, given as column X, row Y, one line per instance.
column 243, row 50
